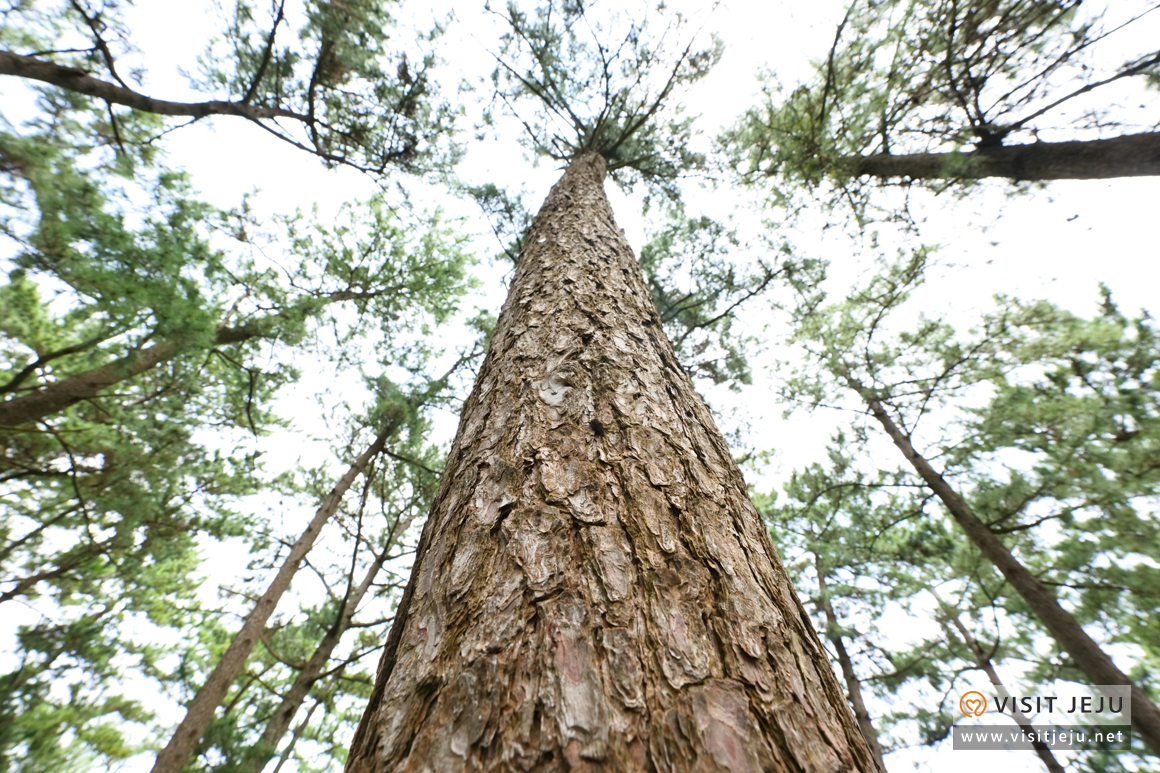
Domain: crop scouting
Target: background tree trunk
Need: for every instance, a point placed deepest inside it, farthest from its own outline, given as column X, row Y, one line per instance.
column 1133, row 155
column 593, row 589
column 853, row 685
column 199, row 712
column 1088, row 656
column 983, row 660
column 264, row 751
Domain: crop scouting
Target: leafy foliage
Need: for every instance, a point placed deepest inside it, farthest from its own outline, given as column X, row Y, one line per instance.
column 326, row 77
column 574, row 89
column 700, row 273
column 117, row 270
column 942, row 76
column 365, row 103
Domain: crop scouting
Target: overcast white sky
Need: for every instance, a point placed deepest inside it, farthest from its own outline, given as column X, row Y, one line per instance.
column 1055, row 244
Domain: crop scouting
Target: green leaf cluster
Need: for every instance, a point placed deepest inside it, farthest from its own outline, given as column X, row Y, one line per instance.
column 580, row 80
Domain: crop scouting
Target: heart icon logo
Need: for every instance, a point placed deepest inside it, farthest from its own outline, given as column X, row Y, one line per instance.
column 973, row 704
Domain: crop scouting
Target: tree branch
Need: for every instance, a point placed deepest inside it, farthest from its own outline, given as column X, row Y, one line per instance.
column 1132, row 155
column 81, row 82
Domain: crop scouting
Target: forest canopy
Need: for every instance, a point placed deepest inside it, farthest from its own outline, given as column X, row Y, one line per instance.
column 252, row 256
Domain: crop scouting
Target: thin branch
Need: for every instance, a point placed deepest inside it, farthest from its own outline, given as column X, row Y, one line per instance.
column 44, row 359
column 1133, row 70
column 267, row 55
column 94, row 24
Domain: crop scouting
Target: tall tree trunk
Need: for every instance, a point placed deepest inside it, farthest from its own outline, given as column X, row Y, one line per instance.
column 200, row 710
column 983, row 661
column 593, row 589
column 1084, row 650
column 853, row 685
column 1132, row 155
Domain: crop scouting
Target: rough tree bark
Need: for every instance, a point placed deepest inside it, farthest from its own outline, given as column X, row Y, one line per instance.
column 1075, row 641
column 593, row 589
column 853, row 684
column 1133, row 155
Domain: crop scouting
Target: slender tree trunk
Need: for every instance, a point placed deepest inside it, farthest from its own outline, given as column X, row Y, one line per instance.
column 853, row 685
column 311, row 672
column 593, row 589
column 298, row 732
column 1132, row 155
column 201, row 709
column 1042, row 750
column 1084, row 650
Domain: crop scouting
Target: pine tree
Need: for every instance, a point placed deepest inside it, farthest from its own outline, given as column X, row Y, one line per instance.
column 142, row 344
column 593, row 584
column 594, row 588
column 940, row 89
column 1105, row 365
column 874, row 545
